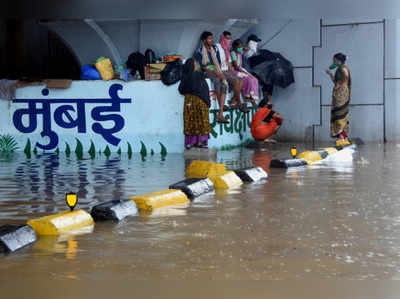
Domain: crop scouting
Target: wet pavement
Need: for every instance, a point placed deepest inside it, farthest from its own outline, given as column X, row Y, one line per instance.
column 337, row 219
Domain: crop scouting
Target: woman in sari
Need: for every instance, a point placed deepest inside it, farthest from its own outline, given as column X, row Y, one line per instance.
column 340, row 99
column 250, row 83
column 196, row 106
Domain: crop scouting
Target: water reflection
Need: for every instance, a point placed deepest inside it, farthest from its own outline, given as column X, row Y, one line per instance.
column 336, row 219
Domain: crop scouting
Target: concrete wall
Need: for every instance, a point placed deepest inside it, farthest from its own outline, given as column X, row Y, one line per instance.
column 392, row 82
column 153, row 114
column 374, row 65
column 163, row 36
column 375, row 83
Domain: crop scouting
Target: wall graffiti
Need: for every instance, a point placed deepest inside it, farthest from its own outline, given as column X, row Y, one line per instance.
column 63, row 118
column 238, row 121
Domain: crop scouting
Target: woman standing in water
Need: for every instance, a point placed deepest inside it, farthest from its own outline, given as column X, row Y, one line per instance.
column 196, row 106
column 340, row 99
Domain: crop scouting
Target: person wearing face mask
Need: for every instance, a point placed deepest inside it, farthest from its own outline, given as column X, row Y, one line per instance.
column 340, row 99
column 250, row 83
column 251, row 49
column 235, row 83
column 252, row 45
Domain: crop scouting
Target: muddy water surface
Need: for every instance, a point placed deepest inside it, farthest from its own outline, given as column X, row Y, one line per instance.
column 339, row 219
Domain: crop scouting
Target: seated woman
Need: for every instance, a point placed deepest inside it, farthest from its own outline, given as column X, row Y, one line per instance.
column 265, row 122
column 196, row 106
column 250, row 83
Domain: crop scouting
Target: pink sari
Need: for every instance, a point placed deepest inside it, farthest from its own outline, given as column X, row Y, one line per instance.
column 250, row 83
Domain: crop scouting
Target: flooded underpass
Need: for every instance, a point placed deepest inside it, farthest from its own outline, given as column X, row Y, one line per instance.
column 336, row 219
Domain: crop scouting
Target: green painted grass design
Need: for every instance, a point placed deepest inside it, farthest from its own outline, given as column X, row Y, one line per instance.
column 163, row 150
column 229, row 147
column 67, row 149
column 27, row 149
column 143, row 150
column 129, row 151
column 79, row 149
column 107, row 152
column 92, row 150
column 7, row 144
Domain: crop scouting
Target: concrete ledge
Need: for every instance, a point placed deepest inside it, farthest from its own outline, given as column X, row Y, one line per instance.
column 252, row 174
column 62, row 223
column 194, row 187
column 15, row 237
column 203, row 169
column 159, row 199
column 114, row 210
column 201, row 153
column 226, row 181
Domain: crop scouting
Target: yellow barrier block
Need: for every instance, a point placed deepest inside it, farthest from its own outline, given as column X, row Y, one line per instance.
column 159, row 199
column 342, row 143
column 330, row 150
column 204, row 169
column 62, row 223
column 226, row 181
column 310, row 156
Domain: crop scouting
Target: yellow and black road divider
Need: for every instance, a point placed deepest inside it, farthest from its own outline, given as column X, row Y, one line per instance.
column 310, row 157
column 202, row 177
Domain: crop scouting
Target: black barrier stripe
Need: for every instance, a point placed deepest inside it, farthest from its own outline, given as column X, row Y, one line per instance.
column 323, row 153
column 278, row 164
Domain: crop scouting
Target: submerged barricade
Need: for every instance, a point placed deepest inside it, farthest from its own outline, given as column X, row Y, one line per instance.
column 202, row 177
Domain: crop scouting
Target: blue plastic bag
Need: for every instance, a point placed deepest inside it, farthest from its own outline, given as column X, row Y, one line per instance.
column 89, row 72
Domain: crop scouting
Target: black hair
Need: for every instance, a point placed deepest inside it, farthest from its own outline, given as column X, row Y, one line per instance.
column 236, row 43
column 188, row 67
column 205, row 35
column 341, row 57
column 225, row 33
column 264, row 103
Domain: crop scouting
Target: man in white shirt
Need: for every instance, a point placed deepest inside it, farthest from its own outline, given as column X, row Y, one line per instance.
column 235, row 83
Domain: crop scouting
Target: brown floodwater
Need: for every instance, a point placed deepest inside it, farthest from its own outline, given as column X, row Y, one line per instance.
column 338, row 219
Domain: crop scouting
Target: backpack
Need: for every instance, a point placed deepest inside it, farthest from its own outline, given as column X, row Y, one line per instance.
column 150, row 56
column 136, row 62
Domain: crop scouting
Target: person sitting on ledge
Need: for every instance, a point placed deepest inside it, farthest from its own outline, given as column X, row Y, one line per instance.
column 209, row 59
column 196, row 106
column 265, row 122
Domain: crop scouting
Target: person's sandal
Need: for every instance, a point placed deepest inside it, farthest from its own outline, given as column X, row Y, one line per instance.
column 243, row 108
column 188, row 147
column 234, row 106
column 222, row 120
